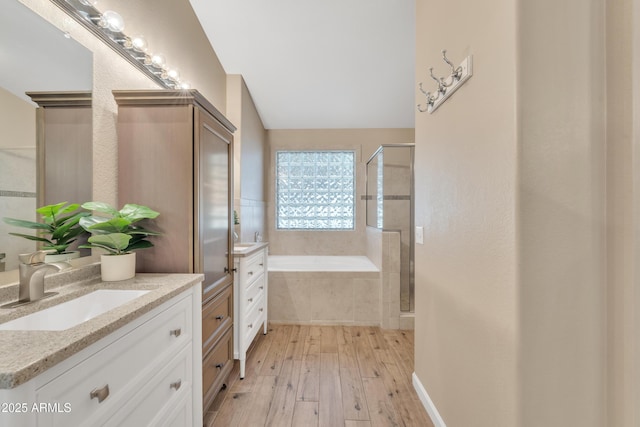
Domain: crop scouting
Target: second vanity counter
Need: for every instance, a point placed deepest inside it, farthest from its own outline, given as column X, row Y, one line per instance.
column 26, row 354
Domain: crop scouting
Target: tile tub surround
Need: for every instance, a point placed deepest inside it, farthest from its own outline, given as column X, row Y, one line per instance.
column 26, row 354
column 322, row 296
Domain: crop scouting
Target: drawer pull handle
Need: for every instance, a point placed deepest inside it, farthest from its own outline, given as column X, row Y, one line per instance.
column 250, row 299
column 176, row 385
column 261, row 287
column 250, row 273
column 219, row 365
column 261, row 265
column 100, row 393
column 261, row 309
column 219, row 317
column 250, row 325
column 176, row 332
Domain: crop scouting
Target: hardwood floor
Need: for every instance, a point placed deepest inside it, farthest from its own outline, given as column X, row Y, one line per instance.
column 325, row 376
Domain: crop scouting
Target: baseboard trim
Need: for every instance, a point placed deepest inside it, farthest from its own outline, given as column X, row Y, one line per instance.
column 427, row 402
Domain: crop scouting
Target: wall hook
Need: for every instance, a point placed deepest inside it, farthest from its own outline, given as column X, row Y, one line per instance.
column 455, row 72
column 440, row 82
column 446, row 85
column 430, row 99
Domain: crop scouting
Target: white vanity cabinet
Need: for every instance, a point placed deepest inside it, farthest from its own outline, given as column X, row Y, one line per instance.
column 141, row 374
column 250, row 287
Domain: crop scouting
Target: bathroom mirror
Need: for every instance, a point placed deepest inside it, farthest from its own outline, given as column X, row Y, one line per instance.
column 35, row 57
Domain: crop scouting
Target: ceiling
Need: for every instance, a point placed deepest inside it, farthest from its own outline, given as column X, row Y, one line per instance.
column 328, row 64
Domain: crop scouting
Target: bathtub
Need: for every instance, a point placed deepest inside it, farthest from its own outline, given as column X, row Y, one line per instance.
column 330, row 290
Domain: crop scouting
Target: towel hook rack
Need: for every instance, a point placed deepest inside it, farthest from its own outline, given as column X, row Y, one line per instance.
column 446, row 85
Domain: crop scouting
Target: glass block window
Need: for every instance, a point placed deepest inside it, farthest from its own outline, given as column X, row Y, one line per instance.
column 315, row 190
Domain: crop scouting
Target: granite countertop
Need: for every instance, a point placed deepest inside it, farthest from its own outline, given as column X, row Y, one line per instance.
column 246, row 249
column 26, row 354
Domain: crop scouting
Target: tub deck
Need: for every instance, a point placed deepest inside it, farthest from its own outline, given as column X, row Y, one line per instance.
column 320, row 263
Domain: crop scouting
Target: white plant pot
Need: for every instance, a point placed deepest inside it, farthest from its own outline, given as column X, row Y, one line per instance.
column 63, row 257
column 117, row 267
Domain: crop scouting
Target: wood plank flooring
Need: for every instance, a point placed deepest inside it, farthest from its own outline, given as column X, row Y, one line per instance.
column 323, row 376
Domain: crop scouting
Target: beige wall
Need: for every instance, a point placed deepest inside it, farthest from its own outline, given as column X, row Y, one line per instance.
column 623, row 211
column 561, row 214
column 365, row 142
column 465, row 184
column 510, row 184
column 249, row 159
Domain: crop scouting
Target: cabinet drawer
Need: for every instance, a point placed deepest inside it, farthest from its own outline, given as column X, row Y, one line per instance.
column 253, row 267
column 254, row 293
column 216, row 367
column 160, row 394
column 253, row 321
column 125, row 361
column 217, row 316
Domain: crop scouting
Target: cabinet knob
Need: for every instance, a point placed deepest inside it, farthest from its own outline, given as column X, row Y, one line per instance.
column 261, row 265
column 100, row 393
column 176, row 385
column 250, row 273
column 175, row 332
column 261, row 287
column 250, row 325
column 261, row 309
column 219, row 365
column 219, row 317
column 250, row 299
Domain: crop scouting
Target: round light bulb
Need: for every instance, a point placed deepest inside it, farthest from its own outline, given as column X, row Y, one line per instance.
column 113, row 21
column 139, row 43
column 173, row 75
column 185, row 85
column 157, row 61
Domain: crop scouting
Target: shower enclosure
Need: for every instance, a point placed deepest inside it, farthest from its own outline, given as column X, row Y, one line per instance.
column 390, row 207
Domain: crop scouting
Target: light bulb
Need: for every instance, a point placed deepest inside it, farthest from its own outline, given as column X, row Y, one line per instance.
column 139, row 43
column 185, row 85
column 113, row 21
column 173, row 75
column 157, row 61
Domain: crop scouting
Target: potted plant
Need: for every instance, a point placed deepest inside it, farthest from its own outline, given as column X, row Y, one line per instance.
column 119, row 233
column 59, row 228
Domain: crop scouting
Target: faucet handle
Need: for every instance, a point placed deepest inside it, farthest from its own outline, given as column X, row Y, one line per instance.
column 36, row 257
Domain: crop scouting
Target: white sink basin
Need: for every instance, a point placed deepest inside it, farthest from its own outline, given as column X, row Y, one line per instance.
column 71, row 313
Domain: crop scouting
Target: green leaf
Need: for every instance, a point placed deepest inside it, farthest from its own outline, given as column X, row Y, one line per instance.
column 51, row 210
column 142, row 244
column 117, row 241
column 134, row 212
column 101, row 207
column 27, row 224
column 113, row 225
column 30, row 237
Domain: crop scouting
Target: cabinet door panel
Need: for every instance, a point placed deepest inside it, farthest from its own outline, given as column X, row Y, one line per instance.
column 214, row 201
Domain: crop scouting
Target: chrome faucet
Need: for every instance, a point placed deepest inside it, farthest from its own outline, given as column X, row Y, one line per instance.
column 32, row 272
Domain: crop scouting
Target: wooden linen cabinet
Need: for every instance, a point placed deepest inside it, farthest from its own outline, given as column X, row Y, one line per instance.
column 175, row 155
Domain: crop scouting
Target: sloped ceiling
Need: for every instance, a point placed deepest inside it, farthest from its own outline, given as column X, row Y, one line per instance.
column 313, row 65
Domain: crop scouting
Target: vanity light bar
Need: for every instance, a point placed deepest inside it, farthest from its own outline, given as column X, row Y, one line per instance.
column 109, row 26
